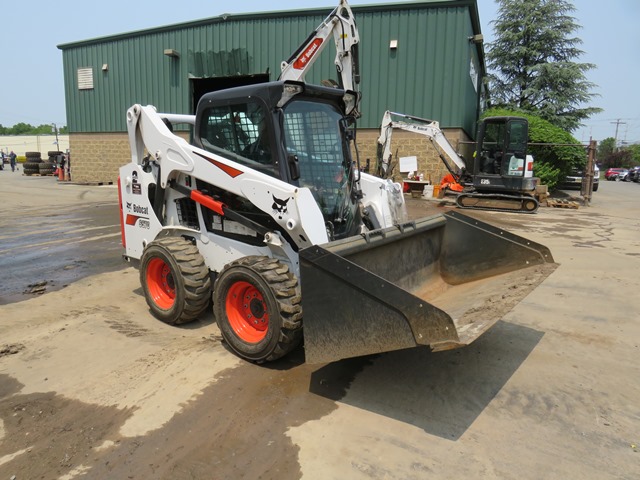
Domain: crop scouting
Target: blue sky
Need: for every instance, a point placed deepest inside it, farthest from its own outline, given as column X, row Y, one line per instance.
column 31, row 81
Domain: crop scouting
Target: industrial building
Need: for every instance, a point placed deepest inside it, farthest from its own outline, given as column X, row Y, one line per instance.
column 422, row 58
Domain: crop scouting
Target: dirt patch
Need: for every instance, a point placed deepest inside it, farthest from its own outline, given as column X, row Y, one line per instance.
column 237, row 427
column 46, row 435
column 11, row 349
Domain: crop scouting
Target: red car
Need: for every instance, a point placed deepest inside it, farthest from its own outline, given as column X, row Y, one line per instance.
column 613, row 173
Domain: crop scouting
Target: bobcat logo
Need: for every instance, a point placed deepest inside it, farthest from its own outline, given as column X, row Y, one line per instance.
column 129, row 206
column 280, row 206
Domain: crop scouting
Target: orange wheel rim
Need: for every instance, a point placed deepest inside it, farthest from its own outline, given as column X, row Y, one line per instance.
column 160, row 283
column 247, row 312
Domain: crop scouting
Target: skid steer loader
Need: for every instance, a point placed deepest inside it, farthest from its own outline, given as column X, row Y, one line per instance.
column 267, row 215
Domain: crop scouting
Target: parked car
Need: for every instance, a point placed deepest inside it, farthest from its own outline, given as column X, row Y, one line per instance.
column 633, row 175
column 614, row 173
column 574, row 180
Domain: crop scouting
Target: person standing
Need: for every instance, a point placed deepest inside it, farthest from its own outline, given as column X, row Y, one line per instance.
column 12, row 160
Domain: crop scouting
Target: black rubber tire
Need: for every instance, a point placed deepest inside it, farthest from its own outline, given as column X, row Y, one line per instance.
column 186, row 272
column 45, row 168
column 53, row 153
column 31, row 167
column 32, row 155
column 281, row 301
column 595, row 187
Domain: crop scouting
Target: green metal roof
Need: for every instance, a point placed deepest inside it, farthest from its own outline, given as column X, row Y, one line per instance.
column 427, row 75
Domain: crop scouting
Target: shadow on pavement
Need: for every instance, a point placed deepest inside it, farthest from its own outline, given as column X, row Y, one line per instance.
column 442, row 393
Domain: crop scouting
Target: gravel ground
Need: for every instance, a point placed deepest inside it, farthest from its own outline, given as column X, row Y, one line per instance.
column 91, row 386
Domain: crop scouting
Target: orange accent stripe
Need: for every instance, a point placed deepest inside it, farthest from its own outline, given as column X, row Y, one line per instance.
column 124, row 240
column 132, row 219
column 208, row 202
column 232, row 172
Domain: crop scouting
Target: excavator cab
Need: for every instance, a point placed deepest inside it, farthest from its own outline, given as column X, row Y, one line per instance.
column 502, row 178
column 501, row 162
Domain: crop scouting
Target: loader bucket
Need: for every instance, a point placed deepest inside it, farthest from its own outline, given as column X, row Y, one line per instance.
column 440, row 281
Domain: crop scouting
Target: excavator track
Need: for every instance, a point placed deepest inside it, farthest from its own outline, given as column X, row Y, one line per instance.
column 498, row 202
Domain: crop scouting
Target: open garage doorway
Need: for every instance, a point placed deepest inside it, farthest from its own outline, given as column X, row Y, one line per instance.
column 200, row 86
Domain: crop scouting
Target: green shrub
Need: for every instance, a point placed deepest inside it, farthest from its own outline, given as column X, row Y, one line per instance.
column 547, row 174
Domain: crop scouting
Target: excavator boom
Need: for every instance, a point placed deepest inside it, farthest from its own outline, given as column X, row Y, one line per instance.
column 341, row 25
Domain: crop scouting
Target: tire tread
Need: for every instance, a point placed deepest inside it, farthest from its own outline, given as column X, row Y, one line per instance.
column 195, row 276
column 286, row 289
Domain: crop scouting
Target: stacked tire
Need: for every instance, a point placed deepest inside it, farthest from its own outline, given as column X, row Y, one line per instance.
column 32, row 165
column 49, row 167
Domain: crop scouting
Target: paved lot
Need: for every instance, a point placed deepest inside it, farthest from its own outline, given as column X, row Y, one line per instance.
column 91, row 386
column 54, row 233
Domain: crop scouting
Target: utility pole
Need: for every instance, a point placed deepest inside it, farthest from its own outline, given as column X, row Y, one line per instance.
column 618, row 123
column 586, row 189
column 55, row 130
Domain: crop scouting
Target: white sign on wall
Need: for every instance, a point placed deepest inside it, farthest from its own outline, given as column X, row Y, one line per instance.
column 408, row 164
column 473, row 72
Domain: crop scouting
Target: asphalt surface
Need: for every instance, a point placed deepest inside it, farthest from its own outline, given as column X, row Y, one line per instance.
column 53, row 233
column 92, row 386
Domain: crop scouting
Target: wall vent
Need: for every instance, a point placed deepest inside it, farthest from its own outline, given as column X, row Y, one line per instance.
column 85, row 78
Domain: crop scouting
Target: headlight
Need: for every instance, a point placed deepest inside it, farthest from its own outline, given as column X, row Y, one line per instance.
column 350, row 99
column 289, row 90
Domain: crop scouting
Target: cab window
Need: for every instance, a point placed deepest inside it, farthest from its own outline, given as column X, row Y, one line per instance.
column 238, row 132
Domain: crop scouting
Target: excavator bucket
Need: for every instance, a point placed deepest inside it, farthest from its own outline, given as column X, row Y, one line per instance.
column 441, row 281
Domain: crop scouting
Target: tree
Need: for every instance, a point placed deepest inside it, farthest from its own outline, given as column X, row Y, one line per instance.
column 532, row 62
column 28, row 129
column 635, row 153
column 555, row 160
column 610, row 156
column 621, row 158
column 605, row 148
column 21, row 129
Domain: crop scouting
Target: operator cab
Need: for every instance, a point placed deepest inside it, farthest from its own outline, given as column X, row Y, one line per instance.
column 501, row 162
column 300, row 134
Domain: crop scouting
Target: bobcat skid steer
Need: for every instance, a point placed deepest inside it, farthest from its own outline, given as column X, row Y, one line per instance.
column 266, row 214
